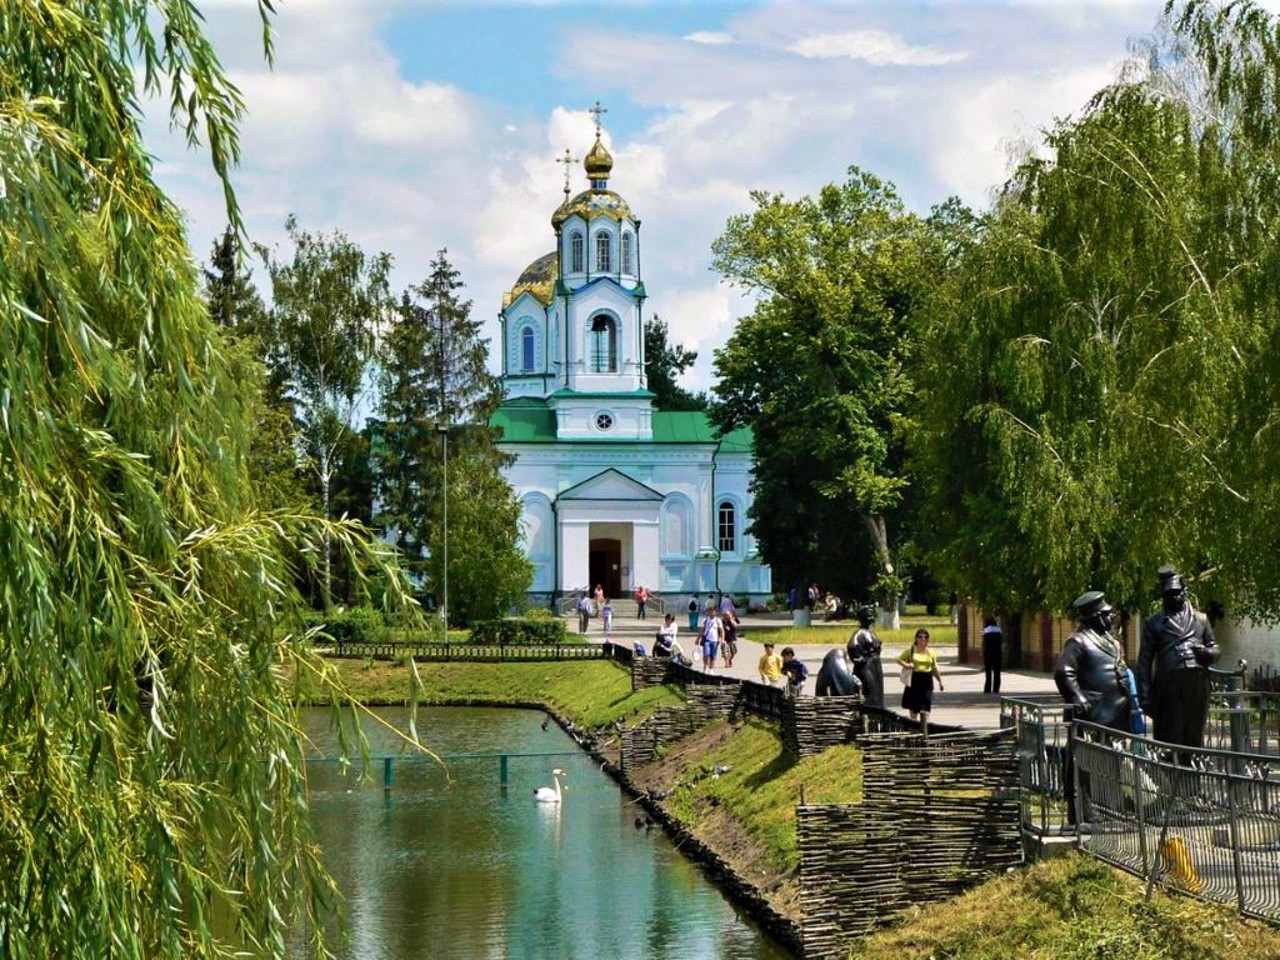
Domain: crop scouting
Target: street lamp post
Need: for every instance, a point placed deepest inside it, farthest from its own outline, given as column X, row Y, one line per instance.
column 443, row 430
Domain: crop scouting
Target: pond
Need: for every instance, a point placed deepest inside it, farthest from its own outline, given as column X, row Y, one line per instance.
column 454, row 866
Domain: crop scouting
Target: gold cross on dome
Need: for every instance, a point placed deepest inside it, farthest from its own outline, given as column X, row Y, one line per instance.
column 598, row 111
column 566, row 160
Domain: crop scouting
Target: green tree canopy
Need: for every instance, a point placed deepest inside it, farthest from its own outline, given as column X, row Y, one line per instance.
column 153, row 795
column 820, row 372
column 435, row 384
column 327, row 303
column 663, row 364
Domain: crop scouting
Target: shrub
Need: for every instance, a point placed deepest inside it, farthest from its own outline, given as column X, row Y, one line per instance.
column 539, row 613
column 513, row 631
column 357, row 625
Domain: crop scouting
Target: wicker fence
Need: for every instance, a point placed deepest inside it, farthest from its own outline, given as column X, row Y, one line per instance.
column 939, row 815
column 666, row 725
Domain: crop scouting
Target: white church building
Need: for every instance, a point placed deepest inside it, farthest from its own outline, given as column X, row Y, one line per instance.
column 614, row 491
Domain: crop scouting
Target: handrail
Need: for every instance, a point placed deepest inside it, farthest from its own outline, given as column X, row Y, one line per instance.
column 1205, row 821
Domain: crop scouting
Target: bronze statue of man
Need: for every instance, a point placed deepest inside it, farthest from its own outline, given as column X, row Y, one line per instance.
column 863, row 653
column 1178, row 647
column 1091, row 674
column 1093, row 679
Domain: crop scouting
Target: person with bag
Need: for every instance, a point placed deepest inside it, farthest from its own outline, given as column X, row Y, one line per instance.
column 712, row 639
column 917, row 696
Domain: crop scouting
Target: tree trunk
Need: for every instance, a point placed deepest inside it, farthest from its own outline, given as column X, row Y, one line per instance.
column 326, row 466
column 888, row 602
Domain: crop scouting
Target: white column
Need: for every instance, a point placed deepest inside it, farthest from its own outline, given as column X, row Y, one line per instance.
column 575, row 544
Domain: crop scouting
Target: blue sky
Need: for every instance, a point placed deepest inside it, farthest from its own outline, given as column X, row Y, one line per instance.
column 413, row 125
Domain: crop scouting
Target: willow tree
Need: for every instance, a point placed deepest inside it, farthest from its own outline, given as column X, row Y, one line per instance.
column 1100, row 377
column 152, row 791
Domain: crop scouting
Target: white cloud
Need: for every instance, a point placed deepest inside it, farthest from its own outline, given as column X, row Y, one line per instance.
column 875, row 47
column 408, row 157
column 710, row 38
column 410, row 114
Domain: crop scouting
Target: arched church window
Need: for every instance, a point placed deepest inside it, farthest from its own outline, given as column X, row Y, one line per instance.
column 627, row 258
column 604, row 253
column 728, row 527
column 604, row 345
column 576, row 250
column 526, row 350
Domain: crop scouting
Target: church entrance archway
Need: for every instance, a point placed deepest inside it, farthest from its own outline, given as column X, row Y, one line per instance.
column 604, row 560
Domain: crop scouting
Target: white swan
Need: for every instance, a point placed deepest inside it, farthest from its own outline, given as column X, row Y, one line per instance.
column 547, row 794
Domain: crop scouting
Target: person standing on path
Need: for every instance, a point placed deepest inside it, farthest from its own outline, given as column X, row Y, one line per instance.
column 712, row 639
column 584, row 613
column 642, row 598
column 795, row 672
column 693, row 612
column 770, row 667
column 992, row 655
column 1177, row 649
column 729, row 625
column 917, row 697
column 606, row 617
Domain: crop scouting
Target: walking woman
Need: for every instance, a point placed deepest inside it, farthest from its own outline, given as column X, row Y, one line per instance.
column 918, row 695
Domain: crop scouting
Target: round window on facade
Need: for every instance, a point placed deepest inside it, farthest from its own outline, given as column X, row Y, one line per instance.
column 604, row 421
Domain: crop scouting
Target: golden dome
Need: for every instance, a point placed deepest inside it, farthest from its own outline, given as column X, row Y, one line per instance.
column 537, row 279
column 590, row 204
column 598, row 162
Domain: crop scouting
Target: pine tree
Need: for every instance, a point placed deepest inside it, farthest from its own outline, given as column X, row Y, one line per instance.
column 663, row 364
column 436, row 385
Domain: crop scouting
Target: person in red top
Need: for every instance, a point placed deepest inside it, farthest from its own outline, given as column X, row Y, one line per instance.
column 642, row 598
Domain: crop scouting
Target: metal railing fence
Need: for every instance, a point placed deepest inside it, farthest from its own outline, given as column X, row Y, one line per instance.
column 1206, row 822
column 442, row 652
column 1040, row 741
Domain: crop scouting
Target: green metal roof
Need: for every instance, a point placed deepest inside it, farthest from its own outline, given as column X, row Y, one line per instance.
column 529, row 420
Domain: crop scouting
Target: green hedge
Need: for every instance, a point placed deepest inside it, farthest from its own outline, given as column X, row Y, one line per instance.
column 512, row 632
column 357, row 625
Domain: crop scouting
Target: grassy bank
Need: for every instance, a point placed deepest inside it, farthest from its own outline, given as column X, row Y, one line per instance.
column 591, row 693
column 1071, row 908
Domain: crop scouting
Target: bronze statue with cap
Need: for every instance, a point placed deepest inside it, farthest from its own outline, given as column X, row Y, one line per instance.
column 1092, row 677
column 1091, row 672
column 1177, row 649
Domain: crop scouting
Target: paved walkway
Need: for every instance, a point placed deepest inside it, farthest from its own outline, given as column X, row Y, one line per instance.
column 962, row 703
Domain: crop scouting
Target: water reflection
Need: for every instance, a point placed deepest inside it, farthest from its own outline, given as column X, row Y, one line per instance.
column 469, row 870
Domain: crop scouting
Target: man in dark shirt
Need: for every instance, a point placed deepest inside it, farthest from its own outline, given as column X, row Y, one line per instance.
column 1177, row 650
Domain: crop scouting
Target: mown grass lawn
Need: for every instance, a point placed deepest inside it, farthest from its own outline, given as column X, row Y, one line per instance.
column 591, row 693
column 1071, row 908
